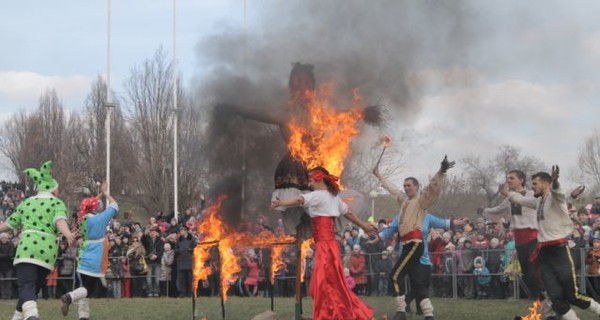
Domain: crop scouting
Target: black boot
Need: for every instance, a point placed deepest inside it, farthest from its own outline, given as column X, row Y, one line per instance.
column 66, row 302
column 400, row 316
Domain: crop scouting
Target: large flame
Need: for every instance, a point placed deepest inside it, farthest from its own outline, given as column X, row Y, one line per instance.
column 306, row 244
column 323, row 139
column 215, row 233
column 533, row 312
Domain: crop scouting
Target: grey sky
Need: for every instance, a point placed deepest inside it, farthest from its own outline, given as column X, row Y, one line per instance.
column 461, row 77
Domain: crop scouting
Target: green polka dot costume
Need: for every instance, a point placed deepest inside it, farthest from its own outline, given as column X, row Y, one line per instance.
column 37, row 217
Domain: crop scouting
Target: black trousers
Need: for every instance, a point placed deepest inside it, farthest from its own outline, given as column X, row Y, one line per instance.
column 528, row 268
column 93, row 285
column 30, row 279
column 558, row 274
column 419, row 276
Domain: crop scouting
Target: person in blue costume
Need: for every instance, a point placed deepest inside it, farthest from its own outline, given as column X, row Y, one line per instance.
column 421, row 272
column 93, row 253
column 430, row 221
column 40, row 218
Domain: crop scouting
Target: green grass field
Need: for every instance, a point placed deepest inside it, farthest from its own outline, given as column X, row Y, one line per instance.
column 246, row 308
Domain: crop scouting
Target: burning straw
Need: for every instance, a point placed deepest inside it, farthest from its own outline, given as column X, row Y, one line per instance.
column 534, row 313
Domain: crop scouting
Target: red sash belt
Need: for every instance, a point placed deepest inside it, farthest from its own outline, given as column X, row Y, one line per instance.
column 413, row 235
column 524, row 236
column 534, row 255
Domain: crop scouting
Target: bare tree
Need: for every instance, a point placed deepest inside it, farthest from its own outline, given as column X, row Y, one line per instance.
column 484, row 175
column 14, row 138
column 366, row 151
column 150, row 105
column 589, row 159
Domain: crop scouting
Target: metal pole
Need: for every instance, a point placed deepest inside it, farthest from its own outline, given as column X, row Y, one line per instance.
column 108, row 95
column 298, row 295
column 243, row 209
column 175, row 115
column 193, row 293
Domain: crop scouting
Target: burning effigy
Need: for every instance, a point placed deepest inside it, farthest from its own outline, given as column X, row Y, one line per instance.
column 317, row 132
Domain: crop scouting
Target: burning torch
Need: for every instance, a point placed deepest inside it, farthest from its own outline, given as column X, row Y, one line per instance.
column 386, row 140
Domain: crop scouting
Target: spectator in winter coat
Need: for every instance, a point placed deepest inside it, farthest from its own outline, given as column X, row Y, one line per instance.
column 7, row 254
column 115, row 271
column 467, row 257
column 358, row 269
column 154, row 250
column 166, row 262
column 349, row 279
column 383, row 267
column 183, row 253
column 482, row 278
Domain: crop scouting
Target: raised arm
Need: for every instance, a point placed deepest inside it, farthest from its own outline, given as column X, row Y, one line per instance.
column 387, row 185
column 436, row 184
column 556, row 191
column 278, row 118
column 515, row 197
column 295, row 201
column 501, row 209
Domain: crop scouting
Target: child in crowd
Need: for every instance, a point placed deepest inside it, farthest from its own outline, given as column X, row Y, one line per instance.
column 482, row 278
column 349, row 280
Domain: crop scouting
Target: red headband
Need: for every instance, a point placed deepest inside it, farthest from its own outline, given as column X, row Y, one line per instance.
column 87, row 205
column 319, row 175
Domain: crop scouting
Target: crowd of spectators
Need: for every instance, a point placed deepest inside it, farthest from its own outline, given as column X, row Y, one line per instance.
column 153, row 258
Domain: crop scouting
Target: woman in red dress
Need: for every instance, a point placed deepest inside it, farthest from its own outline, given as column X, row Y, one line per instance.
column 332, row 299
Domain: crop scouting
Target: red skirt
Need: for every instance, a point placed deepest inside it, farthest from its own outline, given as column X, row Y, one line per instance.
column 332, row 299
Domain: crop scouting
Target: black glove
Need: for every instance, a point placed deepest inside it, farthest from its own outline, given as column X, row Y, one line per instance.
column 446, row 164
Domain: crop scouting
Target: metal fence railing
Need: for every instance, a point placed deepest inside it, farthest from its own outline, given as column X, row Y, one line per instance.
column 507, row 283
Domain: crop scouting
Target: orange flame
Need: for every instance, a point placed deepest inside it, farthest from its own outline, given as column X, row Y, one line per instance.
column 323, row 138
column 533, row 311
column 306, row 244
column 276, row 262
column 386, row 141
column 212, row 229
column 216, row 233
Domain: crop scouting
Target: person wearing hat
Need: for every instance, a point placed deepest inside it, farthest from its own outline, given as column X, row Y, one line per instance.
column 184, row 256
column 41, row 217
column 93, row 253
column 593, row 261
column 596, row 206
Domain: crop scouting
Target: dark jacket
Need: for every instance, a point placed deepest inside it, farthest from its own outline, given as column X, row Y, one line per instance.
column 7, row 254
column 183, row 252
column 153, row 246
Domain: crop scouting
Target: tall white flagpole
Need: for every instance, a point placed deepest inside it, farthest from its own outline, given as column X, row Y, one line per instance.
column 175, row 114
column 108, row 102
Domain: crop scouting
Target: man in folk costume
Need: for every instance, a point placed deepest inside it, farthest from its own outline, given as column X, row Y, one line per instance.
column 40, row 218
column 410, row 229
column 93, row 253
column 552, row 253
column 524, row 226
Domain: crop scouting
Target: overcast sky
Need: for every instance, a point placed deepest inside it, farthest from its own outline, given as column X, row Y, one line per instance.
column 460, row 77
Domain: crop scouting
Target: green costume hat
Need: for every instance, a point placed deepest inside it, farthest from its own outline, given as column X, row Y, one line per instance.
column 43, row 178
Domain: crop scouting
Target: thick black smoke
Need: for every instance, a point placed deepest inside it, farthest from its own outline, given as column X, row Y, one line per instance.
column 374, row 46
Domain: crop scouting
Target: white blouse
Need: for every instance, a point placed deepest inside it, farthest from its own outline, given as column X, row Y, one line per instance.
column 321, row 203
